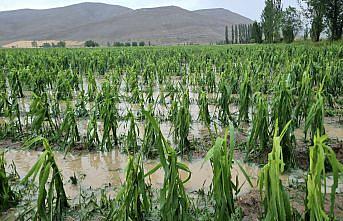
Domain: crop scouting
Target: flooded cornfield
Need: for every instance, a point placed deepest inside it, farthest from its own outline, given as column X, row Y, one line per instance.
column 174, row 133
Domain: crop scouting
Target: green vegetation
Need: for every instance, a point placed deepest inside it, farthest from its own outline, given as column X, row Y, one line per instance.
column 8, row 197
column 91, row 43
column 52, row 200
column 275, row 200
column 223, row 186
column 125, row 101
column 315, row 199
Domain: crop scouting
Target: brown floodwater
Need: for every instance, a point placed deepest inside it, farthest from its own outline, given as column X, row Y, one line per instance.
column 103, row 168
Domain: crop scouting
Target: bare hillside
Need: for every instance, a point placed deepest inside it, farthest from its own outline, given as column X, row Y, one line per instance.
column 103, row 23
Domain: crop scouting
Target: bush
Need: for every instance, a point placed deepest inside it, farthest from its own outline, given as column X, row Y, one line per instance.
column 91, row 43
column 46, row 45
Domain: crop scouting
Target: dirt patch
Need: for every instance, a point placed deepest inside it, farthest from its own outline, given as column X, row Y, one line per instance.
column 252, row 206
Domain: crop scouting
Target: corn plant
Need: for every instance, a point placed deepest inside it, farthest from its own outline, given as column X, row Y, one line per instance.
column 315, row 117
column 204, row 114
column 182, row 125
column 91, row 87
column 14, row 127
column 8, row 197
column 133, row 200
column 40, row 113
column 69, row 133
column 305, row 95
column 52, row 200
column 109, row 115
column 224, row 103
column 15, row 84
column 80, row 106
column 274, row 197
column 149, row 147
column 64, row 88
column 282, row 112
column 93, row 140
column 315, row 199
column 131, row 139
column 223, row 187
column 245, row 93
column 260, row 124
column 174, row 202
column 3, row 93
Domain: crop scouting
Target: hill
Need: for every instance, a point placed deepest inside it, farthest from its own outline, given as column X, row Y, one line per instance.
column 109, row 23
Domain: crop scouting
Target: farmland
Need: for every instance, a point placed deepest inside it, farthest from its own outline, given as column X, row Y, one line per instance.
column 172, row 133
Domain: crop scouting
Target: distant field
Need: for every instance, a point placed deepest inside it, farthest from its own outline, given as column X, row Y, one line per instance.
column 28, row 44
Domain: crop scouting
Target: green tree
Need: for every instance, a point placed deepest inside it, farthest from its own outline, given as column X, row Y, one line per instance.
column 306, row 32
column 236, row 34
column 61, row 44
column 91, row 43
column 34, row 44
column 232, row 35
column 226, row 35
column 46, row 45
column 334, row 18
column 256, row 32
column 271, row 20
column 315, row 12
column 291, row 24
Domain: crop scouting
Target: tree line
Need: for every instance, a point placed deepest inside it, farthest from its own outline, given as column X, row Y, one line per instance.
column 240, row 34
column 278, row 24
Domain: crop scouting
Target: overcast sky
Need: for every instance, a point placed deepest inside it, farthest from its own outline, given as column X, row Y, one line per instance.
column 249, row 8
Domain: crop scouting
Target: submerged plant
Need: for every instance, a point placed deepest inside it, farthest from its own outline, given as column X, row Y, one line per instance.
column 109, row 114
column 52, row 200
column 131, row 139
column 174, row 202
column 204, row 114
column 223, row 187
column 133, row 200
column 69, row 133
column 149, row 147
column 93, row 140
column 182, row 125
column 8, row 197
column 224, row 104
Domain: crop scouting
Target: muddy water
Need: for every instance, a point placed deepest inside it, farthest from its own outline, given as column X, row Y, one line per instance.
column 103, row 168
column 332, row 130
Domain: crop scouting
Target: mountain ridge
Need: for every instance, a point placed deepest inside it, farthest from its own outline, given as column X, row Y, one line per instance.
column 108, row 23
